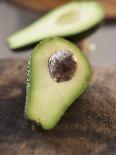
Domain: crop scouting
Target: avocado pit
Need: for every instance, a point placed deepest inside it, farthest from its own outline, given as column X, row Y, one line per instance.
column 62, row 65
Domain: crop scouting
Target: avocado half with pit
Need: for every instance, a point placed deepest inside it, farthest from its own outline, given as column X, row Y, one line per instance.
column 57, row 74
column 67, row 20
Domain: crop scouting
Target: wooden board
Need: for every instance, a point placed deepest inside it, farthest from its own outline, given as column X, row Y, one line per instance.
column 88, row 127
column 44, row 5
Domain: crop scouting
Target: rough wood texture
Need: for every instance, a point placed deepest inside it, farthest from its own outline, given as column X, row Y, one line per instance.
column 44, row 5
column 88, row 127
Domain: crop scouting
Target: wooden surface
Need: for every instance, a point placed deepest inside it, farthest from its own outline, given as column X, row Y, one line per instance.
column 88, row 127
column 110, row 6
column 44, row 5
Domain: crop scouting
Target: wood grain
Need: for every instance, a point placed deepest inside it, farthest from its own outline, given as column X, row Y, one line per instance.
column 45, row 5
column 88, row 127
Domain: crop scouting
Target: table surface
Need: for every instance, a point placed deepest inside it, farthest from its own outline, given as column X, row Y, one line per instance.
column 13, row 18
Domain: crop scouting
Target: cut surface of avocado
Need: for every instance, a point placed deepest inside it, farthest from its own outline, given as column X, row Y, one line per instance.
column 67, row 20
column 58, row 73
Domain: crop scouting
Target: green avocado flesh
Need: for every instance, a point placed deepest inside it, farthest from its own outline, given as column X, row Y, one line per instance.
column 68, row 20
column 47, row 95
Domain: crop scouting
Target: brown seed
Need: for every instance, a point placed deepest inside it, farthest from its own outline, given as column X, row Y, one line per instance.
column 62, row 65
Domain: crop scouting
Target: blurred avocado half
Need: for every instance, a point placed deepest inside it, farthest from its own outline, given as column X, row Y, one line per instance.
column 73, row 18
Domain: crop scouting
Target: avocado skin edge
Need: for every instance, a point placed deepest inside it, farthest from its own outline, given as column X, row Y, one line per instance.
column 84, row 34
column 72, row 38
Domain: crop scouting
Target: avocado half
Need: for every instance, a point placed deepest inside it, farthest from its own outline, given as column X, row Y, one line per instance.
column 57, row 74
column 67, row 20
